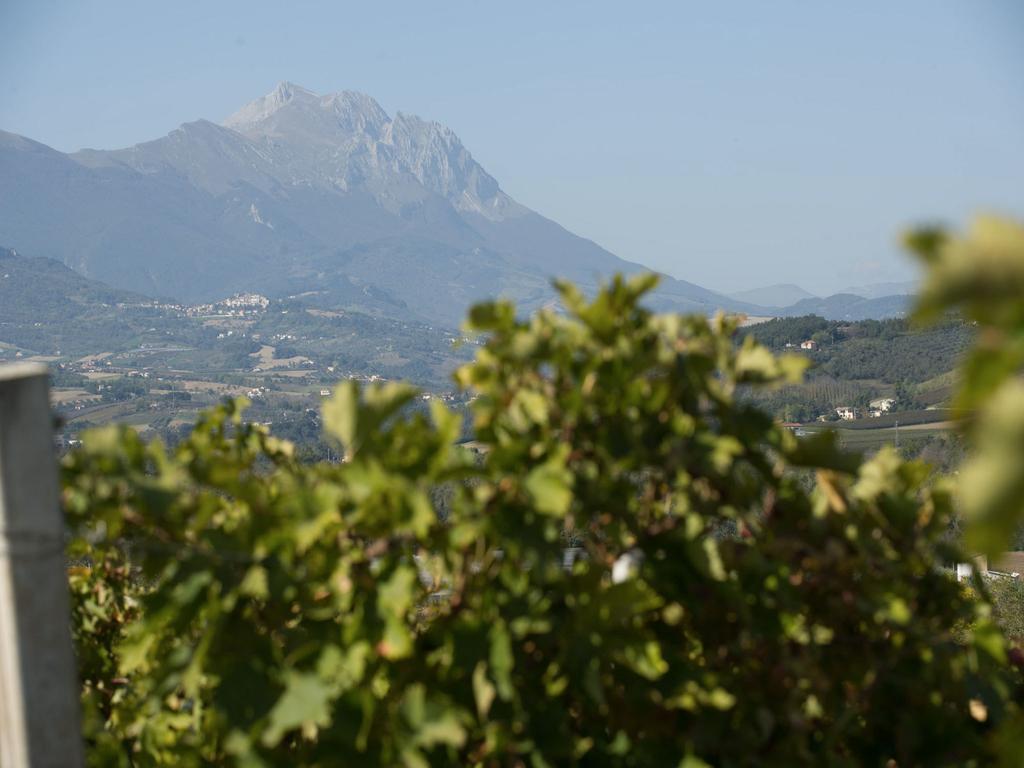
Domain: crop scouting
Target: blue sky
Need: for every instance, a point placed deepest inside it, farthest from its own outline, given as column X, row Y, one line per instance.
column 731, row 144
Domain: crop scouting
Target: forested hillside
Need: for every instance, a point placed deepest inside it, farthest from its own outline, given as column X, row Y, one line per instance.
column 45, row 307
column 853, row 363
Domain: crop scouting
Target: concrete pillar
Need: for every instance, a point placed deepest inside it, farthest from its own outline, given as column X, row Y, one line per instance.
column 39, row 717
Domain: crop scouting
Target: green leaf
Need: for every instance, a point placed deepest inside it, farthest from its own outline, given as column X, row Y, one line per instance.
column 483, row 691
column 397, row 593
column 304, row 704
column 431, row 722
column 755, row 363
column 341, row 413
column 646, row 660
column 550, row 486
column 254, row 584
column 992, row 481
column 501, row 659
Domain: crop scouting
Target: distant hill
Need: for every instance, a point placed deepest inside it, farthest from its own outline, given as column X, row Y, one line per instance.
column 881, row 290
column 46, row 307
column 886, row 300
column 780, row 295
column 326, row 196
column 855, row 362
column 847, row 306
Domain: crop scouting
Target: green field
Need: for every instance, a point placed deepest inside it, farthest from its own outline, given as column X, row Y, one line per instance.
column 872, row 439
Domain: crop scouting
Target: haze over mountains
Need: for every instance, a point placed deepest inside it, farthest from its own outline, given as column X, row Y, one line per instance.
column 880, row 290
column 779, row 295
column 325, row 197
column 873, row 301
column 298, row 193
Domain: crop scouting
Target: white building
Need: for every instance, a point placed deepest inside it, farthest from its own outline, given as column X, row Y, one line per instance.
column 846, row 413
column 883, row 404
column 1008, row 565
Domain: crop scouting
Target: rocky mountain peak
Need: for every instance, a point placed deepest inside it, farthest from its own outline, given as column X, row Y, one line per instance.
column 346, row 139
column 291, row 110
column 260, row 109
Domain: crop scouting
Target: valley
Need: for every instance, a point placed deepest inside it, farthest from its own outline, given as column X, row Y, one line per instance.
column 121, row 357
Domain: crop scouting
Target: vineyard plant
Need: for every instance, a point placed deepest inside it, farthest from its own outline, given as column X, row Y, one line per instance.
column 634, row 566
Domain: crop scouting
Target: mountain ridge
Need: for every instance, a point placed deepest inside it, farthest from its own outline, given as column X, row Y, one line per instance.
column 302, row 192
column 848, row 306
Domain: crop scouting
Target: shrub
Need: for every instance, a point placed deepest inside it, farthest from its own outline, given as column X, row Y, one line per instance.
column 718, row 611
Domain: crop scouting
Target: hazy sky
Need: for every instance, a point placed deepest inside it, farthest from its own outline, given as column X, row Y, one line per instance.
column 730, row 144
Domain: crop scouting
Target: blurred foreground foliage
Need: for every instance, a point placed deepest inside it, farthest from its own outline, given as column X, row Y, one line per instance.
column 633, row 567
column 981, row 275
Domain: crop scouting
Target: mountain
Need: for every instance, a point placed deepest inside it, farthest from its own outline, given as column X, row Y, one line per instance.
column 878, row 290
column 323, row 196
column 779, row 295
column 847, row 306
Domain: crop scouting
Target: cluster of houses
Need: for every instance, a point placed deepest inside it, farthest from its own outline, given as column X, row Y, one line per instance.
column 447, row 397
column 808, row 344
column 248, row 301
column 235, row 306
column 875, row 409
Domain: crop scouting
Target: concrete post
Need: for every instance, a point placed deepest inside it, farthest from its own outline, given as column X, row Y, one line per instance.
column 39, row 718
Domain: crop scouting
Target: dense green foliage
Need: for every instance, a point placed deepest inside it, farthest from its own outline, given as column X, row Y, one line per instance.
column 411, row 605
column 809, row 399
column 777, row 333
column 943, row 452
column 890, row 351
column 857, row 362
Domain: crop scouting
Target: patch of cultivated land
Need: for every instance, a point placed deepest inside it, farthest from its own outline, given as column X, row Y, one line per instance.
column 197, row 385
column 936, row 426
column 749, row 320
column 102, row 413
column 292, row 374
column 865, row 439
column 63, row 396
column 94, row 358
column 267, row 360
